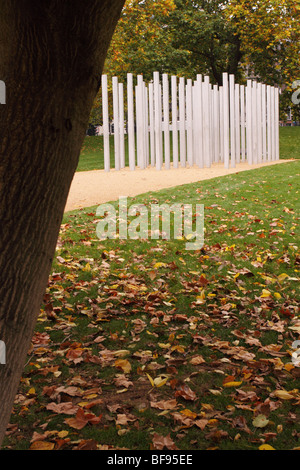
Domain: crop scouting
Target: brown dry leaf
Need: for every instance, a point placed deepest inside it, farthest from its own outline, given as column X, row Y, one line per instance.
column 197, row 360
column 122, row 381
column 164, row 404
column 183, row 420
column 216, row 435
column 67, row 408
column 201, row 423
column 184, row 391
column 241, row 423
column 89, row 444
column 81, row 419
column 39, row 437
column 161, row 442
column 72, row 391
column 75, row 355
column 92, row 403
column 123, row 419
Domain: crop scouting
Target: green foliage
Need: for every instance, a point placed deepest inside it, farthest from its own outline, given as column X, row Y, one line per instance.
column 211, row 44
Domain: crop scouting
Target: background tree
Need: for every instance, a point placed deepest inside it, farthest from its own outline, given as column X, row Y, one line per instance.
column 270, row 42
column 140, row 45
column 269, row 34
column 186, row 37
column 209, row 40
column 141, row 42
column 51, row 59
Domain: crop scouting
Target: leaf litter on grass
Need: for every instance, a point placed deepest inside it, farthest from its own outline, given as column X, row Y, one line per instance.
column 149, row 346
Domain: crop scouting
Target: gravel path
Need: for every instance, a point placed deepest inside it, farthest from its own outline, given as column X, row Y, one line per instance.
column 91, row 188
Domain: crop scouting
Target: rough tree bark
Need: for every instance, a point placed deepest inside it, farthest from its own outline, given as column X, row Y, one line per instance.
column 51, row 60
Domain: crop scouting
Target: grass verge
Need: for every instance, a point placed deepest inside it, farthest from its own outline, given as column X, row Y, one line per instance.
column 142, row 344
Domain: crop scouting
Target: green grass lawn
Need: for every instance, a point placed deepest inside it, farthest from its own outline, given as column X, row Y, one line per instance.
column 142, row 344
column 92, row 157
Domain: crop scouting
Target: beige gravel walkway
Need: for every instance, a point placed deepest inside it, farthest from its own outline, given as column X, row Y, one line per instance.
column 91, row 188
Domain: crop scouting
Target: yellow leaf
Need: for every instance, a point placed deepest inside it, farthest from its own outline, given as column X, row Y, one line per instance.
column 121, row 353
column 164, row 345
column 91, row 396
column 266, row 447
column 178, row 348
column 266, row 293
column 260, row 421
column 124, row 365
column 151, row 380
column 232, row 384
column 189, row 413
column 284, row 394
column 87, row 267
column 190, row 236
column 277, row 295
column 42, row 445
column 282, row 277
column 160, row 381
column 159, row 265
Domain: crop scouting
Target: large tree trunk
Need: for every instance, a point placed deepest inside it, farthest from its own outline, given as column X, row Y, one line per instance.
column 51, row 60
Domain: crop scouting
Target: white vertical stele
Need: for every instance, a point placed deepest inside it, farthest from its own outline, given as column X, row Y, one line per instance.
column 243, row 123
column 189, row 122
column 226, row 119
column 259, row 124
column 199, row 84
column 116, row 122
column 237, row 124
column 206, row 102
column 232, row 119
column 216, row 123
column 195, row 123
column 151, row 124
column 174, row 121
column 161, row 127
column 269, row 133
column 277, row 155
column 139, row 122
column 273, row 138
column 264, row 122
column 254, row 121
column 130, row 122
column 105, row 117
column 249, row 138
column 121, row 125
column 221, row 124
column 182, row 124
column 146, row 125
column 157, row 120
column 166, row 119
